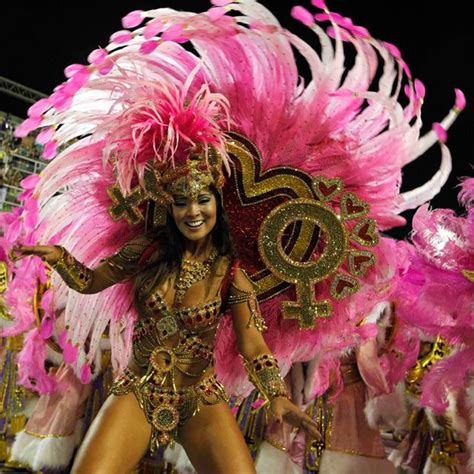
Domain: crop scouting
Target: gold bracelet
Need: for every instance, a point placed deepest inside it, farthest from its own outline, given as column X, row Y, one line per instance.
column 76, row 275
column 264, row 373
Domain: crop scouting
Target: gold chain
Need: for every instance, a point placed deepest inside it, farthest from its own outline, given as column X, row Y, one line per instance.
column 191, row 272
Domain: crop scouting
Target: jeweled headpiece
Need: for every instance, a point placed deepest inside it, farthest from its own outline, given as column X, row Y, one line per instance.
column 200, row 171
column 166, row 142
column 163, row 180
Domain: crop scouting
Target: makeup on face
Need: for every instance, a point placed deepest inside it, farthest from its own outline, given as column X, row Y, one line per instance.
column 195, row 217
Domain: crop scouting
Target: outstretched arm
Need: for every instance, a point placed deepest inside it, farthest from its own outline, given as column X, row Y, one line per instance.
column 261, row 366
column 119, row 267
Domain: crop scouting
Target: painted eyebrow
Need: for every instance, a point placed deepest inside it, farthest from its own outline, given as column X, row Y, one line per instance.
column 182, row 197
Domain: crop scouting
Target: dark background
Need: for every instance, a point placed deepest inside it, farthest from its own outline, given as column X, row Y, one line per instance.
column 436, row 40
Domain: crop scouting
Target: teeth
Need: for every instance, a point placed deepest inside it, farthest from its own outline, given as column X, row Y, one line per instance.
column 194, row 223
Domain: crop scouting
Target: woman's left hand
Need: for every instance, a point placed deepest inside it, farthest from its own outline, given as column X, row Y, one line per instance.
column 284, row 410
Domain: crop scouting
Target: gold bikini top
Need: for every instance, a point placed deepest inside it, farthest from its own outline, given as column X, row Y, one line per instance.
column 167, row 321
column 168, row 340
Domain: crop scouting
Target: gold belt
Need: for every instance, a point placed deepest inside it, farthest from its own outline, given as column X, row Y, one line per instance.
column 167, row 408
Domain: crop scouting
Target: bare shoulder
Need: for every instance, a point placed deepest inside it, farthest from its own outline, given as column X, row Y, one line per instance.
column 242, row 281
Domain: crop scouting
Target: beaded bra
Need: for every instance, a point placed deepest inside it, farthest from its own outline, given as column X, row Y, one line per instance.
column 169, row 340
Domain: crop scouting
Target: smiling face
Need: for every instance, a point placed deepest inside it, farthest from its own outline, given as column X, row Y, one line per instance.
column 195, row 217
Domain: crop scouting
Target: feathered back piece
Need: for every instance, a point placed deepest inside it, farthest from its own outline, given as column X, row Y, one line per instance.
column 437, row 293
column 145, row 96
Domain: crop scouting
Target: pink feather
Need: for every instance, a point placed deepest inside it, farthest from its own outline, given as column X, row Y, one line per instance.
column 301, row 14
column 133, row 19
column 466, row 195
column 31, row 370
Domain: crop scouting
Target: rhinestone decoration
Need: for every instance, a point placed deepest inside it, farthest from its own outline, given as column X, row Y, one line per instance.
column 353, row 207
column 161, row 181
column 192, row 272
column 197, row 179
column 3, row 276
column 167, row 326
column 257, row 193
column 160, row 364
column 153, row 184
column 126, row 207
column 259, row 190
column 343, row 285
column 303, row 274
column 165, row 417
column 159, row 215
column 360, row 261
column 327, row 189
column 365, row 233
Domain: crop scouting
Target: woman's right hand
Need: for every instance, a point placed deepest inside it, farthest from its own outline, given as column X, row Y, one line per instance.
column 48, row 253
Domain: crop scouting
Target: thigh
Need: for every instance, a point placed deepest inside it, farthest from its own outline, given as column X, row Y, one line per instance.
column 116, row 440
column 213, row 442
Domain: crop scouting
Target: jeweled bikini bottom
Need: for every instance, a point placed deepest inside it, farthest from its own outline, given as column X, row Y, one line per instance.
column 165, row 408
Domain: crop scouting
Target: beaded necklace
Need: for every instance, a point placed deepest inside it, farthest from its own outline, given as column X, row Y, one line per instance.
column 191, row 272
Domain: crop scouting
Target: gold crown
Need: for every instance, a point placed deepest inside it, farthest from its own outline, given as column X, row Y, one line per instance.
column 161, row 181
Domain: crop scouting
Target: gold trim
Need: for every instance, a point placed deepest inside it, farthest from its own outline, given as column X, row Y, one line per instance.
column 469, row 274
column 3, row 277
column 276, row 444
column 127, row 207
column 303, row 274
column 253, row 189
column 346, row 213
column 41, row 436
column 355, row 453
column 439, row 349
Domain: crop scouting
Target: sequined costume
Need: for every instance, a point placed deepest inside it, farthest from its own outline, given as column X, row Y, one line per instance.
column 171, row 343
column 171, row 372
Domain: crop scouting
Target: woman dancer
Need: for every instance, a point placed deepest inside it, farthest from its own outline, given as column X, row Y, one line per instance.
column 183, row 276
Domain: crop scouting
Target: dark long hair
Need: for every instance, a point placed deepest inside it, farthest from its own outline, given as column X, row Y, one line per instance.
column 171, row 245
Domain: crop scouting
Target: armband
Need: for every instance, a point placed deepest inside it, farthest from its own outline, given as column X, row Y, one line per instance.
column 127, row 259
column 76, row 275
column 249, row 297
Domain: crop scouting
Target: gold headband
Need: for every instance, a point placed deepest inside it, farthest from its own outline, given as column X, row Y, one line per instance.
column 163, row 180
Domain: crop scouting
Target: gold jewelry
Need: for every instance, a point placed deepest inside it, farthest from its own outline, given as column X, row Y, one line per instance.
column 76, row 275
column 201, row 169
column 167, row 408
column 128, row 257
column 191, row 272
column 249, row 297
column 264, row 373
column 13, row 254
column 196, row 180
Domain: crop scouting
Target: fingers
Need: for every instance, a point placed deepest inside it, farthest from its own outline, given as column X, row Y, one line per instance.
column 277, row 414
column 22, row 251
column 311, row 429
column 17, row 253
column 305, row 422
column 32, row 249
